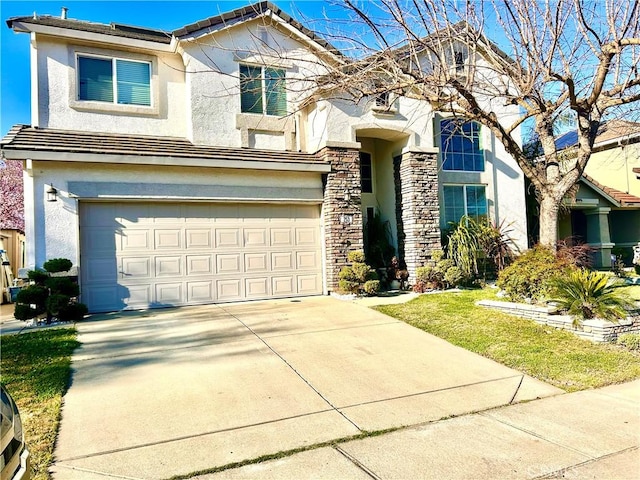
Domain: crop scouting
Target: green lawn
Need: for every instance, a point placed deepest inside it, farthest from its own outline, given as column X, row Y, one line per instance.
column 36, row 369
column 556, row 357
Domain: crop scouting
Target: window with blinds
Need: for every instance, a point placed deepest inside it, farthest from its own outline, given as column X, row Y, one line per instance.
column 114, row 80
column 263, row 90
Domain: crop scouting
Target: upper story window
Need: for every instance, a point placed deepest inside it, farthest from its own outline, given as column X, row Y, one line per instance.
column 263, row 90
column 461, row 146
column 366, row 173
column 114, row 80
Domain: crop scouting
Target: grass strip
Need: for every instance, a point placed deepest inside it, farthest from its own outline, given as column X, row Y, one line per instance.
column 36, row 369
column 553, row 356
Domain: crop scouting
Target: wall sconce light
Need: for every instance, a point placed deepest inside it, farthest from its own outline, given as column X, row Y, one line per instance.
column 347, row 196
column 52, row 194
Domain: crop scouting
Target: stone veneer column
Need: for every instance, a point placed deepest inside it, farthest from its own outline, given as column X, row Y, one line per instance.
column 417, row 208
column 342, row 218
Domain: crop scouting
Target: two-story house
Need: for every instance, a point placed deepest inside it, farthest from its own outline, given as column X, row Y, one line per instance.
column 605, row 212
column 200, row 166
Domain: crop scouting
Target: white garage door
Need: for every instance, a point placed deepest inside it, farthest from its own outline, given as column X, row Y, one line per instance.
column 145, row 255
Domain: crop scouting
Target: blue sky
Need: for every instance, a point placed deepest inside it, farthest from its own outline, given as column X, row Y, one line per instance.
column 165, row 15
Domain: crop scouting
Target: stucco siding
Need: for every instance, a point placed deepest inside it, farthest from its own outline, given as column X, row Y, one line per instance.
column 614, row 168
column 212, row 63
column 58, row 106
column 57, row 234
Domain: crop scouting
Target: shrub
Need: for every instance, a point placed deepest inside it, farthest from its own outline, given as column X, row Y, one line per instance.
column 573, row 253
column 354, row 277
column 55, row 296
column 37, row 276
column 474, row 242
column 630, row 340
column 529, row 275
column 56, row 265
column 73, row 312
column 585, row 294
column 371, row 287
column 443, row 274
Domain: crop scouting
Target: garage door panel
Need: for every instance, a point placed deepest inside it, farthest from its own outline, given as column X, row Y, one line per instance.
column 306, row 236
column 139, row 295
column 169, row 294
column 168, row 266
column 131, row 239
column 101, row 270
column 200, row 292
column 136, row 267
column 228, row 238
column 227, row 264
column 308, row 284
column 197, row 238
column 255, row 237
column 141, row 255
column 199, row 265
column 168, row 239
column 257, row 287
column 255, row 262
column 167, row 213
column 225, row 212
column 103, row 215
column 282, row 261
column 228, row 290
column 101, row 241
column 283, row 285
column 281, row 237
column 307, row 260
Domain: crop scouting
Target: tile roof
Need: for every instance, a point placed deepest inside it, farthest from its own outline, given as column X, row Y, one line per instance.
column 27, row 138
column 113, row 29
column 623, row 198
column 141, row 33
column 608, row 131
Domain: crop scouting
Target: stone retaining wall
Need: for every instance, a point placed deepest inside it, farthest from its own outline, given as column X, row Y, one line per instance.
column 596, row 330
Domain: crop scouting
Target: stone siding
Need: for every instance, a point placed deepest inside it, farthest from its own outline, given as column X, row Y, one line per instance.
column 417, row 208
column 342, row 217
column 596, row 330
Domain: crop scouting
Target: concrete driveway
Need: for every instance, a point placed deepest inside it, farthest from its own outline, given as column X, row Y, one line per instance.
column 174, row 391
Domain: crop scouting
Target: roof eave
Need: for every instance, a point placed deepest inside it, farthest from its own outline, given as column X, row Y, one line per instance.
column 27, row 27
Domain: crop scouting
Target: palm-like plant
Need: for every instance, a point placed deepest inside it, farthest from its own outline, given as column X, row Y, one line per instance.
column 585, row 294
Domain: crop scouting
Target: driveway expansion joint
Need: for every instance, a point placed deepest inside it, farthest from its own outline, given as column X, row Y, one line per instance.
column 95, row 472
column 356, row 462
column 564, row 470
column 288, row 364
column 488, row 415
column 187, row 437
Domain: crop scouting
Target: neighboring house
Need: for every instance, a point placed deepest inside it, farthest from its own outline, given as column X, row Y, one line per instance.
column 606, row 210
column 198, row 166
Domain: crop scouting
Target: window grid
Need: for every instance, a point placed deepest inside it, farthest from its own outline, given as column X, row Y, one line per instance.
column 461, row 200
column 461, row 146
column 263, row 90
column 114, row 80
column 366, row 173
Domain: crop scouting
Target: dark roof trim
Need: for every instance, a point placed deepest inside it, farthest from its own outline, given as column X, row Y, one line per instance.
column 23, row 138
column 618, row 198
column 113, row 29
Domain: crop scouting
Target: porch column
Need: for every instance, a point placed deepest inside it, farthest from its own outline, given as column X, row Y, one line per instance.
column 417, row 209
column 341, row 209
column 598, row 236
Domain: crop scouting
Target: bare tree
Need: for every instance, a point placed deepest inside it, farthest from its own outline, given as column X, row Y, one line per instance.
column 558, row 60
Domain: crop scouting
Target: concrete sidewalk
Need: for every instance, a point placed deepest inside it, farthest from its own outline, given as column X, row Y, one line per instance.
column 586, row 435
column 176, row 391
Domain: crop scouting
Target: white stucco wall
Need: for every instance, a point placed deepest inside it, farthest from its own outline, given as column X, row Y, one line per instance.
column 212, row 62
column 58, row 106
column 56, row 234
